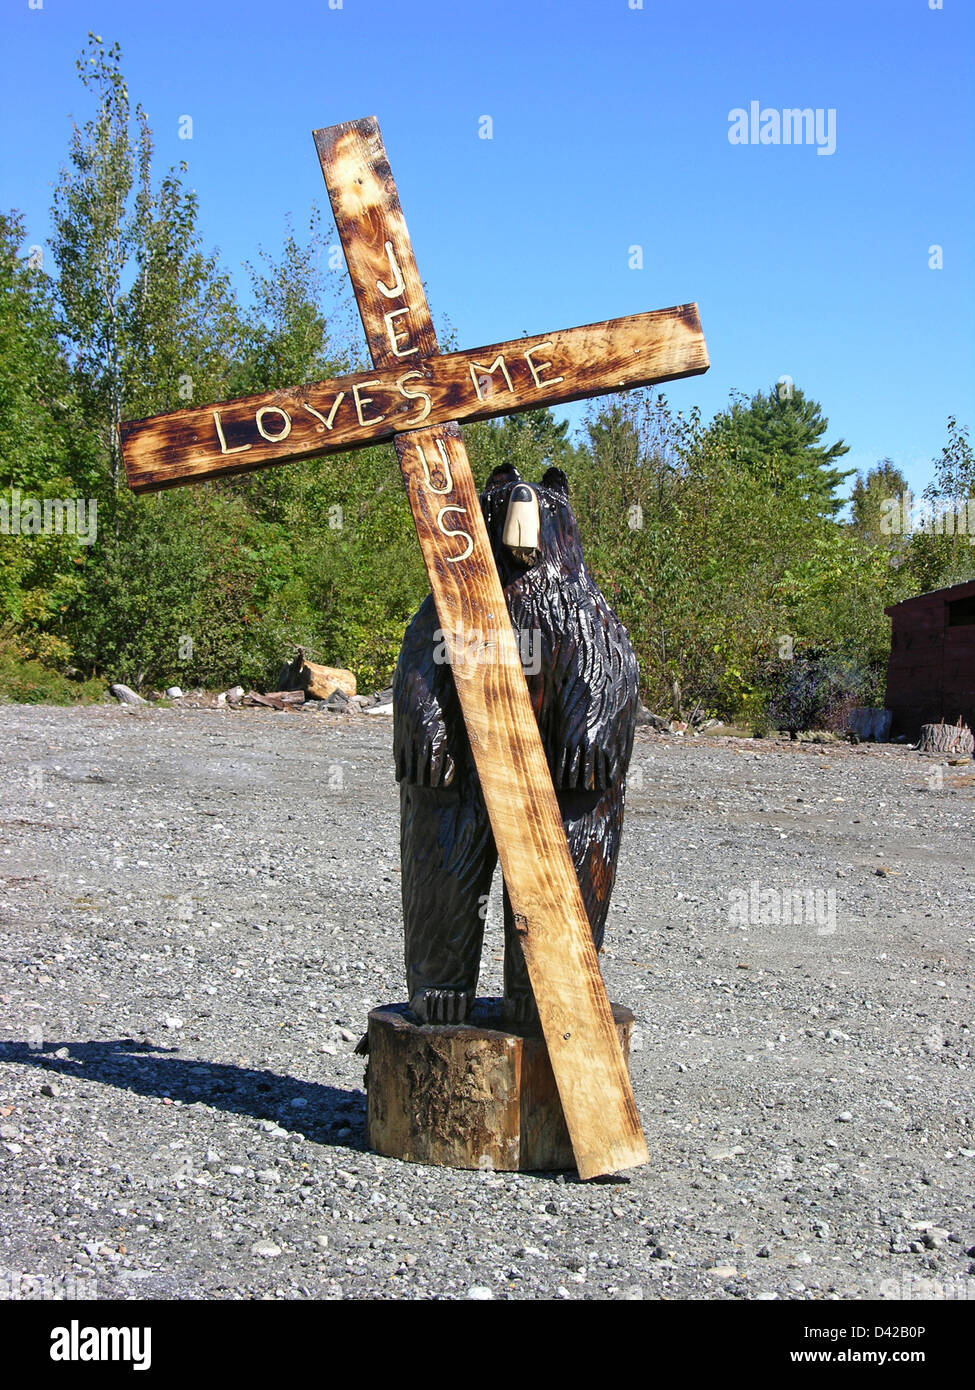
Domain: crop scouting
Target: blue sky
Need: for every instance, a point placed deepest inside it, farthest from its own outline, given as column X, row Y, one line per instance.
column 610, row 130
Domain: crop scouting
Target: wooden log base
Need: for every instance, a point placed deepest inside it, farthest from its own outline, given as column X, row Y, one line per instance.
column 480, row 1094
column 946, row 738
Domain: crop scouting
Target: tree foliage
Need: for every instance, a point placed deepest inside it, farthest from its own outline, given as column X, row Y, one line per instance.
column 40, row 440
column 721, row 545
column 871, row 498
column 775, row 436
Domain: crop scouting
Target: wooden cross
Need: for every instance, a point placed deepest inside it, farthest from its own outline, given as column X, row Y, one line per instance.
column 416, row 396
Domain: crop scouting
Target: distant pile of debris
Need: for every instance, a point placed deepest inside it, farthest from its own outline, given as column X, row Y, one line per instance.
column 381, row 702
column 302, row 685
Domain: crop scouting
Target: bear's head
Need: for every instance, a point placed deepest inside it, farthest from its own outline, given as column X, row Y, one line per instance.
column 533, row 533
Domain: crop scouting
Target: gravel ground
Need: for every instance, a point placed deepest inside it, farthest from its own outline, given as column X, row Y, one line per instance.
column 200, row 906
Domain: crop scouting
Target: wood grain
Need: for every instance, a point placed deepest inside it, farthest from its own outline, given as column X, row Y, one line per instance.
column 562, row 964
column 369, row 219
column 576, row 1019
column 475, row 1095
column 187, row 446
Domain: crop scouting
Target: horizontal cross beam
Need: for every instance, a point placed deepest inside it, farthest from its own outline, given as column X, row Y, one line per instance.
column 351, row 412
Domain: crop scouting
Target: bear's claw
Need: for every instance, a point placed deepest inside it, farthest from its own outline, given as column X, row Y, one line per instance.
column 521, row 1009
column 442, row 1005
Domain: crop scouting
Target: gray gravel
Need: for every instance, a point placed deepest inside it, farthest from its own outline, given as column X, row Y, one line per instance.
column 199, row 908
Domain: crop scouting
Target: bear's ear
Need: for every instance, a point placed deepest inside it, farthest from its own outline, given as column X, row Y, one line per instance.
column 504, row 473
column 555, row 479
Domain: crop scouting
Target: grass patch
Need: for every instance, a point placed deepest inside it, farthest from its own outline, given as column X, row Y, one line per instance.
column 24, row 681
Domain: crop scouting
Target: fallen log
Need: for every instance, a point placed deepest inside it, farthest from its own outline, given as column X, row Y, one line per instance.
column 277, row 699
column 317, row 682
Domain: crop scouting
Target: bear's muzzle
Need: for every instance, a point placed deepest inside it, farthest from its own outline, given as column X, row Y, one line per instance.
column 522, row 525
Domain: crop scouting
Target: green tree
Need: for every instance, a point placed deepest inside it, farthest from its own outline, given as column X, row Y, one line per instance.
column 776, row 437
column 295, row 331
column 180, row 319
column 147, row 318
column 715, row 567
column 40, row 434
column 531, row 441
column 287, row 339
column 718, row 545
column 942, row 545
column 954, row 469
column 870, row 499
column 149, row 323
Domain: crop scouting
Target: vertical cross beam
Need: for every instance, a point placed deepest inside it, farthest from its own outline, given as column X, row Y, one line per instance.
column 594, row 1085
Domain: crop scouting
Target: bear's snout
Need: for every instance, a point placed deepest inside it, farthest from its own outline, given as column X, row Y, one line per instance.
column 522, row 525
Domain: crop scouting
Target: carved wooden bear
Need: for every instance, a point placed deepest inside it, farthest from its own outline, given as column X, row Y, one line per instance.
column 583, row 681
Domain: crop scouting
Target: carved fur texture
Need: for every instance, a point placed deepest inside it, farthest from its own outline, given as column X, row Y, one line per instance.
column 583, row 681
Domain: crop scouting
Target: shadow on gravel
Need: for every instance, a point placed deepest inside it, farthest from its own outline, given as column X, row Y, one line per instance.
column 318, row 1112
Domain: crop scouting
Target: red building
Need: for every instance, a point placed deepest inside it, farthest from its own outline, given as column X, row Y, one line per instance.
column 931, row 675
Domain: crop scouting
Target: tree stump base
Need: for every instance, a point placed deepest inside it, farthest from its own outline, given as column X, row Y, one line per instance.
column 480, row 1094
column 946, row 738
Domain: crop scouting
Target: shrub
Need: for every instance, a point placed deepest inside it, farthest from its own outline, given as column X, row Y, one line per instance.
column 815, row 691
column 24, row 680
